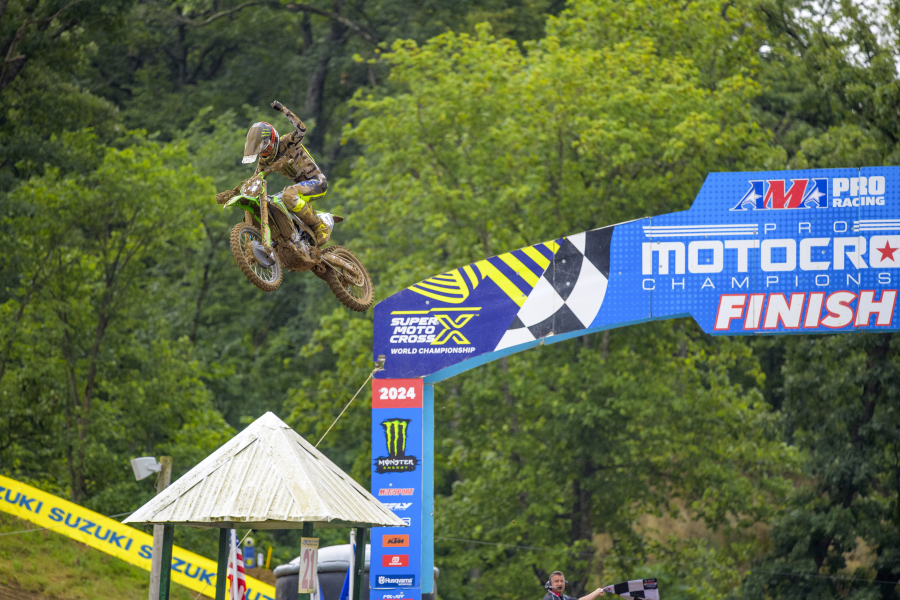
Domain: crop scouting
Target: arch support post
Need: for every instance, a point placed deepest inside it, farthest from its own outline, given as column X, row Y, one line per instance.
column 402, row 558
column 427, row 489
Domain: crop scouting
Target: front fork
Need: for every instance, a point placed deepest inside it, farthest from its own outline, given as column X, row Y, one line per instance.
column 264, row 217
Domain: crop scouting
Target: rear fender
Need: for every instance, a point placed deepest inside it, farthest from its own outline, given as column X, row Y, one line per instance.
column 335, row 260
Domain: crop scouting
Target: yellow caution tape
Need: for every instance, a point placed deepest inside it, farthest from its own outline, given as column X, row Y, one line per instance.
column 108, row 535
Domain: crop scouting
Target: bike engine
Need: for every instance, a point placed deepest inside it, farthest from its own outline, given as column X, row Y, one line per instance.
column 301, row 240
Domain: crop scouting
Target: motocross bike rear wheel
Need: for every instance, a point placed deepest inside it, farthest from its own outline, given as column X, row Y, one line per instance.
column 355, row 291
column 268, row 279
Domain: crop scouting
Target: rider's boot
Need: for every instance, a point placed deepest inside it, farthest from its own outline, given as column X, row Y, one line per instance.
column 310, row 218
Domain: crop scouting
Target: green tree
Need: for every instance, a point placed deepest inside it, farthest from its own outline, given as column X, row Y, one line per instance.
column 46, row 46
column 88, row 359
column 829, row 82
column 478, row 147
column 564, row 446
column 180, row 57
column 482, row 148
column 828, row 74
column 839, row 401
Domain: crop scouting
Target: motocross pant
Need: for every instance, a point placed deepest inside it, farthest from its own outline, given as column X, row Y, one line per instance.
column 297, row 198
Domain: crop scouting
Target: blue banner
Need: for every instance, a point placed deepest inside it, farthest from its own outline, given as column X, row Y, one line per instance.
column 396, row 552
column 811, row 251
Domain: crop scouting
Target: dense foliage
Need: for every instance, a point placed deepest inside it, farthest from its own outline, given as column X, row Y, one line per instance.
column 450, row 131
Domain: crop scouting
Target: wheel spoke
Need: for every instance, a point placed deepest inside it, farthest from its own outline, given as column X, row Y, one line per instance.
column 348, row 279
column 267, row 274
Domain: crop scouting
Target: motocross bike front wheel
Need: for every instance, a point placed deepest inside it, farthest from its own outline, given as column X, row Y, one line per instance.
column 243, row 237
column 354, row 290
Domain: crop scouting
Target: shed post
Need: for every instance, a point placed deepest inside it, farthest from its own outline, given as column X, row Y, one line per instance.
column 165, row 574
column 359, row 563
column 222, row 566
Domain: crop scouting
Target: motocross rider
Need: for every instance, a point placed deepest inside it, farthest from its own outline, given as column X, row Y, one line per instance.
column 286, row 155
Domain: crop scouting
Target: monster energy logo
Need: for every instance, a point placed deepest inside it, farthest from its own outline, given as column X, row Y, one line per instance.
column 395, row 436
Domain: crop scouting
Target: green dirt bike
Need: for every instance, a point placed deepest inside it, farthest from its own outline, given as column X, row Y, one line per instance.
column 271, row 238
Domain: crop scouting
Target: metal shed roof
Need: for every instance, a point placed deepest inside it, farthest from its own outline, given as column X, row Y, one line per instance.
column 269, row 477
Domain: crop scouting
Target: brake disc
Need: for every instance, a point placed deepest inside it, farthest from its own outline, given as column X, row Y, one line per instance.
column 259, row 252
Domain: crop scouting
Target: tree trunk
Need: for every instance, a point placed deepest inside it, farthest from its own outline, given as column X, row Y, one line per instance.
column 204, row 287
column 315, row 90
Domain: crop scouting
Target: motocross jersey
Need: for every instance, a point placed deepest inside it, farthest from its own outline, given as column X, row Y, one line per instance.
column 299, row 165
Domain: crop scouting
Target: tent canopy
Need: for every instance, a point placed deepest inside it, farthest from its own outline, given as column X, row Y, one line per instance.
column 267, row 477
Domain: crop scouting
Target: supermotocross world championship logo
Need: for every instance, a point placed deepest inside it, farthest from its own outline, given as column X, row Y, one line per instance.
column 395, row 435
column 434, row 333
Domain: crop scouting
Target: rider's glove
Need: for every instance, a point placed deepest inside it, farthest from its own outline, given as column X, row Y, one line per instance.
column 278, row 106
column 277, row 165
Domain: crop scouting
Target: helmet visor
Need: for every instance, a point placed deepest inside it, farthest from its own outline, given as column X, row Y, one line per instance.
column 255, row 142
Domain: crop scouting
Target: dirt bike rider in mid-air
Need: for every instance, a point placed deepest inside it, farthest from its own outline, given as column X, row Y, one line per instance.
column 286, row 155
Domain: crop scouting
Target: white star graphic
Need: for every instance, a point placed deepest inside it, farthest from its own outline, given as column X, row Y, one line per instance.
column 813, row 197
column 751, row 197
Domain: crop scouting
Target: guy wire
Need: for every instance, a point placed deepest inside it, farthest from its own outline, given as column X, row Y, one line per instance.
column 348, row 404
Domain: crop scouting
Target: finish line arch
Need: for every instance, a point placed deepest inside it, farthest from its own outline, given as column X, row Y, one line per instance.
column 773, row 253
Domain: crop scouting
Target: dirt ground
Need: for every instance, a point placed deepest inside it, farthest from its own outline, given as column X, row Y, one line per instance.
column 8, row 592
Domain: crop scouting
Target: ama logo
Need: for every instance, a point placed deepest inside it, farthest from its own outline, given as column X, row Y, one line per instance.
column 773, row 194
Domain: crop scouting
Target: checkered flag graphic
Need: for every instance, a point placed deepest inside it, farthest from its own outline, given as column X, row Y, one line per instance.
column 636, row 588
column 569, row 293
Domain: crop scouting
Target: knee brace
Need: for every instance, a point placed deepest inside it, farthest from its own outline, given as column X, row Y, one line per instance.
column 292, row 199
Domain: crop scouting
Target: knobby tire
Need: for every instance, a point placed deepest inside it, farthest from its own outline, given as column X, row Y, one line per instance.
column 241, row 257
column 334, row 280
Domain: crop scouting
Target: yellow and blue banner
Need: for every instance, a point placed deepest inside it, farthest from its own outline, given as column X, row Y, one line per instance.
column 773, row 253
column 108, row 535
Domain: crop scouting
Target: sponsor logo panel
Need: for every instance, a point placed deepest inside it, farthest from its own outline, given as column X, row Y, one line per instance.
column 808, row 193
column 778, row 194
column 405, row 593
column 395, row 541
column 395, row 560
column 396, row 437
column 408, row 580
column 396, row 480
column 396, row 491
